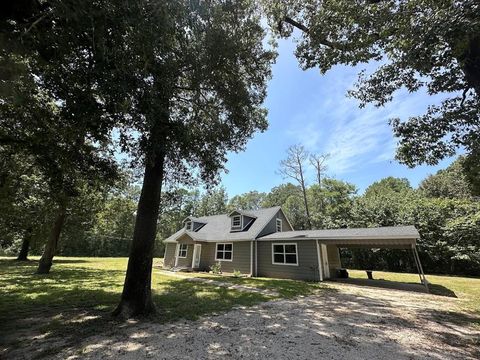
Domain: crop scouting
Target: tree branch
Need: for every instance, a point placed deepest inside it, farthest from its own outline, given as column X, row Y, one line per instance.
column 306, row 30
column 296, row 24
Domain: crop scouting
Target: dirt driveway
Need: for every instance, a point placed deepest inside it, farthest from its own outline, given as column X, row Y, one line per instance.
column 346, row 322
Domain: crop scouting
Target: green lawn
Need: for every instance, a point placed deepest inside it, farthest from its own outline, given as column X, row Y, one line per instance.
column 464, row 288
column 75, row 300
column 96, row 284
column 284, row 287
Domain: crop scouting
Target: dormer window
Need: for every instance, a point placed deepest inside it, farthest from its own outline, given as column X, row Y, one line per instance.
column 279, row 225
column 236, row 222
column 189, row 225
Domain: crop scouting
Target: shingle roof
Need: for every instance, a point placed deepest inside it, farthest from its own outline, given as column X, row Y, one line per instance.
column 385, row 232
column 218, row 227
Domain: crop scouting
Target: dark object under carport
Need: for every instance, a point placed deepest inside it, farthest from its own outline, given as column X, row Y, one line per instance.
column 343, row 273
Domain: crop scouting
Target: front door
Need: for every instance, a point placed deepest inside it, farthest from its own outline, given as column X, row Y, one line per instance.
column 197, row 251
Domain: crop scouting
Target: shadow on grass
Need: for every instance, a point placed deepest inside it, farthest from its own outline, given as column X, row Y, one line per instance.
column 73, row 303
column 29, row 262
column 346, row 321
column 435, row 289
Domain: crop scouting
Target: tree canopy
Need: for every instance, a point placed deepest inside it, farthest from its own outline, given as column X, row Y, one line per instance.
column 433, row 46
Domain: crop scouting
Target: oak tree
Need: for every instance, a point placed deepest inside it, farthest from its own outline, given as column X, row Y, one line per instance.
column 415, row 45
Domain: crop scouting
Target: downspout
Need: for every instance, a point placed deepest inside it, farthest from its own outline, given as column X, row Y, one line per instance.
column 256, row 258
column 251, row 258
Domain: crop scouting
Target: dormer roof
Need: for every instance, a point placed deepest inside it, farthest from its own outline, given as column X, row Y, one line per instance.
column 218, row 227
column 244, row 213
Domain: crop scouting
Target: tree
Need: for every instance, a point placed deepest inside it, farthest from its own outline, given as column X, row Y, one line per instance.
column 23, row 199
column 279, row 195
column 318, row 161
column 431, row 45
column 189, row 79
column 449, row 183
column 294, row 167
column 50, row 109
column 251, row 200
column 176, row 205
column 332, row 204
column 213, row 202
column 388, row 185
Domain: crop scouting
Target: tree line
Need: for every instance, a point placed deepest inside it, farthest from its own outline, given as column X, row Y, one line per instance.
column 174, row 86
column 444, row 209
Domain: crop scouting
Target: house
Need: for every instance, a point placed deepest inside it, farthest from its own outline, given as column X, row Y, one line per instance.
column 263, row 243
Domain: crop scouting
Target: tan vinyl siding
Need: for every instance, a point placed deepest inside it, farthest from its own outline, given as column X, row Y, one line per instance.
column 307, row 268
column 333, row 260
column 240, row 261
column 186, row 262
column 169, row 257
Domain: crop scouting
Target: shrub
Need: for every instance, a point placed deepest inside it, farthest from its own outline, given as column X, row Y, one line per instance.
column 216, row 268
column 237, row 273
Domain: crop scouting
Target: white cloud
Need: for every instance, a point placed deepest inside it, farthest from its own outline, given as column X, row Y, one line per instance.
column 352, row 136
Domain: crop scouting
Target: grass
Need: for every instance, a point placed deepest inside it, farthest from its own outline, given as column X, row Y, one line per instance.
column 284, row 287
column 77, row 297
column 75, row 300
column 466, row 289
column 96, row 284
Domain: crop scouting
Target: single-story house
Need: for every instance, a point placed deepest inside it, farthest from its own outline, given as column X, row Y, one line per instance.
column 263, row 243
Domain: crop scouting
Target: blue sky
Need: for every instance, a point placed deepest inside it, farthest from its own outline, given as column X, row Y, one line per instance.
column 306, row 107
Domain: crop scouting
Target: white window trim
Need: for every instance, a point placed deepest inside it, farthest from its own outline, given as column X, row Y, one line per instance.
column 240, row 226
column 189, row 225
column 180, row 250
column 287, row 264
column 216, row 251
column 279, row 221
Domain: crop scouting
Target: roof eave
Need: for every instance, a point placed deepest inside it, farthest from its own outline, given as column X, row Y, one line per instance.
column 388, row 237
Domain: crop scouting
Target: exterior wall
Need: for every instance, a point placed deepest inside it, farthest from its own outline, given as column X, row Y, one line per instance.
column 333, row 260
column 307, row 268
column 186, row 262
column 271, row 227
column 240, row 260
column 169, row 257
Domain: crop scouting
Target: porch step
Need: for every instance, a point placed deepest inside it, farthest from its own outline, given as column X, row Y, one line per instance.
column 181, row 269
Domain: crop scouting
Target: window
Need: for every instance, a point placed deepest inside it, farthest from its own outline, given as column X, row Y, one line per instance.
column 236, row 222
column 284, row 254
column 224, row 252
column 189, row 225
column 182, row 250
column 279, row 225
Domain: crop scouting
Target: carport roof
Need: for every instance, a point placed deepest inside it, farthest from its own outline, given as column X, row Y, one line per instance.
column 386, row 236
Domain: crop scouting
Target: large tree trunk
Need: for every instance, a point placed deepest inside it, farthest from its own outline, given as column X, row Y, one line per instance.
column 136, row 296
column 27, row 237
column 45, row 262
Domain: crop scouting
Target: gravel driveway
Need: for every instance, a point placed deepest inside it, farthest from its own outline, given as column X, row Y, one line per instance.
column 346, row 322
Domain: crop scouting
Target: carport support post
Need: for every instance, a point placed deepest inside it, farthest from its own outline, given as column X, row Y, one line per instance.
column 421, row 274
